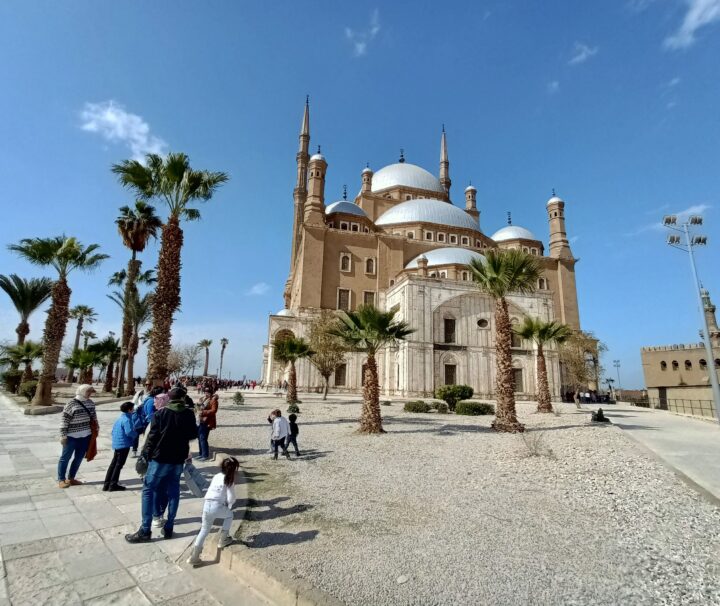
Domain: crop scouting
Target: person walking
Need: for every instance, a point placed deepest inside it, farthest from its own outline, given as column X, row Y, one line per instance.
column 78, row 418
column 280, row 431
column 207, row 421
column 166, row 449
column 292, row 436
column 219, row 501
column 123, row 436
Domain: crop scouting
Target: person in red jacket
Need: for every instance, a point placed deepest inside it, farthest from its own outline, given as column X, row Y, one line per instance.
column 207, row 421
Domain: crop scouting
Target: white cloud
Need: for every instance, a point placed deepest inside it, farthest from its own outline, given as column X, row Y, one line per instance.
column 113, row 123
column 682, row 217
column 695, row 209
column 673, row 83
column 670, row 104
column 581, row 53
column 361, row 39
column 258, row 289
column 699, row 14
column 553, row 87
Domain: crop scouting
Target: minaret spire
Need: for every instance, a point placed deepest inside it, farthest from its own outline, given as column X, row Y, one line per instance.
column 444, row 163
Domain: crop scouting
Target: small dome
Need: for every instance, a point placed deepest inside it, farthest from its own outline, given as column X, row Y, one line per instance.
column 424, row 210
column 317, row 157
column 403, row 174
column 554, row 199
column 470, row 188
column 366, row 170
column 513, row 232
column 446, row 256
column 343, row 206
column 285, row 312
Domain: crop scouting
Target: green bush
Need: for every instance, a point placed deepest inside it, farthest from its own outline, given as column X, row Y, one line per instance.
column 474, row 408
column 386, row 403
column 27, row 389
column 452, row 394
column 293, row 408
column 442, row 408
column 238, row 398
column 416, row 406
column 11, row 380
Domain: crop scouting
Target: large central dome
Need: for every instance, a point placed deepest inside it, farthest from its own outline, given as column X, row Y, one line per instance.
column 423, row 210
column 403, row 174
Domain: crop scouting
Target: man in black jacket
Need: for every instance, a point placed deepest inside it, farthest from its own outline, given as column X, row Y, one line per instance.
column 167, row 448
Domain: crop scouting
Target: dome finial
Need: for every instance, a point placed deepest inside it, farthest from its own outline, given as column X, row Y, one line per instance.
column 553, row 192
column 318, row 151
column 509, row 218
column 344, row 192
column 402, row 155
column 307, row 99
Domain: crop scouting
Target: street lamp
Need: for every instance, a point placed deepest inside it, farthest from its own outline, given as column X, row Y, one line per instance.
column 692, row 240
column 616, row 364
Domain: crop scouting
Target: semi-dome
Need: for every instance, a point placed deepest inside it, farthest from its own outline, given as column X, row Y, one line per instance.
column 403, row 174
column 554, row 199
column 513, row 232
column 424, row 210
column 285, row 312
column 451, row 255
column 343, row 206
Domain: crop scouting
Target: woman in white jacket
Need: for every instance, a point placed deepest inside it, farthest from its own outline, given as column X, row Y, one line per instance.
column 219, row 500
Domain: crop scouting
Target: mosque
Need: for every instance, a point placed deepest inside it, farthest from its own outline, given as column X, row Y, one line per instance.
column 402, row 244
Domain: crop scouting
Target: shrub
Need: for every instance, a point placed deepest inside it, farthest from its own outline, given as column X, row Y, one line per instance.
column 442, row 408
column 474, row 408
column 27, row 389
column 416, row 406
column 386, row 403
column 238, row 398
column 293, row 408
column 452, row 394
column 11, row 380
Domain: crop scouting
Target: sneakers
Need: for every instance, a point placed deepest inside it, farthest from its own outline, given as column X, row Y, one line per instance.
column 158, row 522
column 138, row 537
column 116, row 488
column 74, row 482
column 194, row 558
column 166, row 534
column 63, row 484
column 225, row 540
column 201, row 458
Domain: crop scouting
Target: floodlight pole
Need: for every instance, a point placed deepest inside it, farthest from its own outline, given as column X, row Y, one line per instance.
column 706, row 332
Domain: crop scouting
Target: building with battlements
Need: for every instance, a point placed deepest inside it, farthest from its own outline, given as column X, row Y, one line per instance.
column 401, row 243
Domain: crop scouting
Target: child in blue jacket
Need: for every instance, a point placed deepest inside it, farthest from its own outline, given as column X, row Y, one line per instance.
column 123, row 436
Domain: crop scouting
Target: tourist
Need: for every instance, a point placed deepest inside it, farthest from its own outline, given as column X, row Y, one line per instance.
column 219, row 500
column 280, row 431
column 123, row 436
column 167, row 447
column 207, row 421
column 292, row 436
column 78, row 418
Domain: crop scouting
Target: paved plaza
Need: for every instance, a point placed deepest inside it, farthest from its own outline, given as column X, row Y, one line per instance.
column 67, row 547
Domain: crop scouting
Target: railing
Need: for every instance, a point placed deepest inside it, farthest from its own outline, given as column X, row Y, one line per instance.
column 694, row 408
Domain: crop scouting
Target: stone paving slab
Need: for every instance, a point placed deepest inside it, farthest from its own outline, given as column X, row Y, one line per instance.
column 67, row 547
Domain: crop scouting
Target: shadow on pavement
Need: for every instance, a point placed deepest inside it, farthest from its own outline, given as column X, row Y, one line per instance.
column 268, row 539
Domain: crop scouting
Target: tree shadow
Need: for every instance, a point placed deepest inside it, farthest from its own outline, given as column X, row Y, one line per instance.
column 269, row 539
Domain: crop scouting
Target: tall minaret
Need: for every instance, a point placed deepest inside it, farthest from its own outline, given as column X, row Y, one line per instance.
column 709, row 310
column 444, row 164
column 315, row 202
column 471, row 203
column 300, row 191
column 559, row 245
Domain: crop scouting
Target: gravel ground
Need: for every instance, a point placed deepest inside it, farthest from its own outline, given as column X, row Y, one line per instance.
column 441, row 510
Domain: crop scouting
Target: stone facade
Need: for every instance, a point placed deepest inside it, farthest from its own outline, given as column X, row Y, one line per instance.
column 401, row 243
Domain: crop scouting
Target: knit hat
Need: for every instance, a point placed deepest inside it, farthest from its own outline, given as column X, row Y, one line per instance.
column 161, row 401
column 83, row 391
column 177, row 393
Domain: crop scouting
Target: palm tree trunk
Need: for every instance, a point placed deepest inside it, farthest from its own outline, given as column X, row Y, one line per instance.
column 22, row 331
column 327, row 386
column 222, row 355
column 76, row 346
column 207, row 361
column 292, row 385
column 132, row 352
column 505, row 415
column 130, row 291
column 166, row 299
column 370, row 418
column 55, row 326
column 544, row 402
column 109, row 377
column 27, row 373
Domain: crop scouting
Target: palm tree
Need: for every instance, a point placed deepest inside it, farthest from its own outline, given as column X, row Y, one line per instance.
column 140, row 314
column 176, row 184
column 84, row 360
column 26, row 296
column 64, row 255
column 88, row 335
column 109, row 351
column 288, row 351
column 136, row 226
column 205, row 344
column 500, row 273
column 223, row 344
column 26, row 353
column 541, row 333
column 369, row 330
column 81, row 313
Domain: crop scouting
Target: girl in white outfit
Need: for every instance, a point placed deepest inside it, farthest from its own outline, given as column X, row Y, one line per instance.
column 219, row 500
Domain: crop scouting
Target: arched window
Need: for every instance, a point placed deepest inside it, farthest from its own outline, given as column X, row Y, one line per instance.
column 542, row 284
column 441, row 237
column 428, row 235
column 343, row 225
column 465, row 276
column 408, row 197
column 688, row 365
column 345, row 262
column 515, row 339
column 717, row 363
column 411, row 235
column 465, row 241
column 675, row 365
column 392, row 282
column 354, row 227
column 453, row 239
column 370, row 266
column 478, row 244
column 703, row 364
column 534, row 251
column 663, row 365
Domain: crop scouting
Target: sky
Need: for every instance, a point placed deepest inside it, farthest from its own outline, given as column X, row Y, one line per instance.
column 613, row 104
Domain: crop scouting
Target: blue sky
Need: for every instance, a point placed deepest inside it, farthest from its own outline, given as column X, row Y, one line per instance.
column 614, row 104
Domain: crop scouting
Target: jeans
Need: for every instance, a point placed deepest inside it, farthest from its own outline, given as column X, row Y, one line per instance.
column 281, row 444
column 292, row 440
column 75, row 447
column 213, row 510
column 161, row 480
column 112, row 477
column 203, row 433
